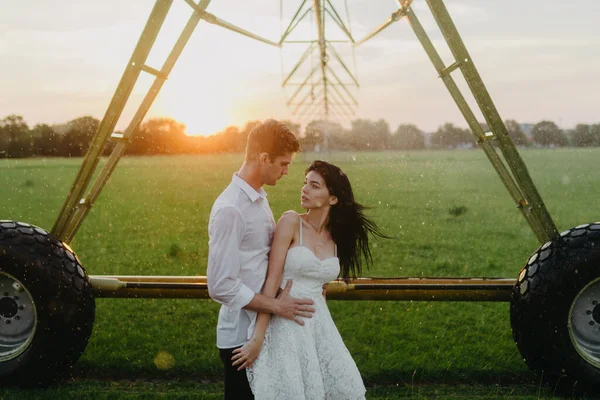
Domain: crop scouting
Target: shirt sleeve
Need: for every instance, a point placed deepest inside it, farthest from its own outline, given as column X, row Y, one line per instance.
column 225, row 231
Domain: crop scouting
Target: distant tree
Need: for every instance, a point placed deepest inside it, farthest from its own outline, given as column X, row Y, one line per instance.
column 16, row 140
column 88, row 125
column 595, row 132
column 585, row 135
column 158, row 136
column 516, row 133
column 74, row 144
column 450, row 136
column 357, row 135
column 231, row 140
column 76, row 141
column 322, row 135
column 381, row 137
column 339, row 138
column 547, row 133
column 313, row 137
column 408, row 137
column 365, row 134
column 46, row 140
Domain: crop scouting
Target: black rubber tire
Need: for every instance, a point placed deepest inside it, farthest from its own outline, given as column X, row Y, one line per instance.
column 541, row 302
column 62, row 295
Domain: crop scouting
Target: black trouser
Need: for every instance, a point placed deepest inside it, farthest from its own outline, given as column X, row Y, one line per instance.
column 236, row 382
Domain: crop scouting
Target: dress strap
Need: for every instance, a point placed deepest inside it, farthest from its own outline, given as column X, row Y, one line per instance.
column 300, row 229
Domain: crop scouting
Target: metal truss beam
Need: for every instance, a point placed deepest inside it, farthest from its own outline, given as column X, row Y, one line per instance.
column 78, row 203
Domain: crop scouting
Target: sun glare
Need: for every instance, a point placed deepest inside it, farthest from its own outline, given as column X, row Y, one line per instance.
column 203, row 121
column 202, row 114
column 222, row 78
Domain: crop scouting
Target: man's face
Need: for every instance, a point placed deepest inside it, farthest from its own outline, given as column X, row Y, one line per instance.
column 274, row 170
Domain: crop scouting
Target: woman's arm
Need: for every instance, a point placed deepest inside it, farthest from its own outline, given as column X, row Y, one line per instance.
column 282, row 239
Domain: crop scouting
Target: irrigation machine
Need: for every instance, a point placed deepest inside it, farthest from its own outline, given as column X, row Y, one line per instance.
column 47, row 304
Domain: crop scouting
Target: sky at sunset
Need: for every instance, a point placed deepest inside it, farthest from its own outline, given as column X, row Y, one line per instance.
column 540, row 59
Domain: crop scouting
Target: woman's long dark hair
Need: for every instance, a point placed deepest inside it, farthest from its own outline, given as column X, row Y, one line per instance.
column 348, row 225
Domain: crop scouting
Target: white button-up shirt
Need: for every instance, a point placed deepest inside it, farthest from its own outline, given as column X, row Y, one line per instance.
column 240, row 232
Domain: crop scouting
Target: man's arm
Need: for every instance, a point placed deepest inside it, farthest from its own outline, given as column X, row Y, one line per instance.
column 284, row 234
column 225, row 286
column 226, row 231
column 283, row 306
column 263, row 304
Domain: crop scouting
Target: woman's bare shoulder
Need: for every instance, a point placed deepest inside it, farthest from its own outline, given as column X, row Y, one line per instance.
column 289, row 218
column 287, row 225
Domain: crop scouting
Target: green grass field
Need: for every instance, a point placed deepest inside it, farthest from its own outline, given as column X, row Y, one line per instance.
column 152, row 219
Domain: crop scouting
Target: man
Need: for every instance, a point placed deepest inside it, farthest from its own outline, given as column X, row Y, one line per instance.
column 240, row 231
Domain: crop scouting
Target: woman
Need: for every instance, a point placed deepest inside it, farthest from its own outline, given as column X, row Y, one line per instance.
column 310, row 361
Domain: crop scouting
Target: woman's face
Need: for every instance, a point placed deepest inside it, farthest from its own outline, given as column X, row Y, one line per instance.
column 315, row 193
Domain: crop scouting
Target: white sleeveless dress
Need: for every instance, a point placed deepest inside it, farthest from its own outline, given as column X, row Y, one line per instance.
column 307, row 362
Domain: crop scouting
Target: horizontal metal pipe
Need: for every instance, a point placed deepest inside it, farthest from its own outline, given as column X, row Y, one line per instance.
column 405, row 289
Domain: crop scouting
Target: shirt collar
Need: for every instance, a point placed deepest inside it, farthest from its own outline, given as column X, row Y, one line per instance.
column 252, row 194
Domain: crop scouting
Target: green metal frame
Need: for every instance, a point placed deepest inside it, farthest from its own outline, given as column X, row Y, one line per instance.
column 518, row 182
column 510, row 168
column 327, row 101
column 77, row 205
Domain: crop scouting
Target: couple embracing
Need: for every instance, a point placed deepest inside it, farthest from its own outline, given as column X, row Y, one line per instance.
column 275, row 334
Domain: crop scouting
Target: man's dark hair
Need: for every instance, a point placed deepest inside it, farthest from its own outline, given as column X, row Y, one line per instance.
column 271, row 137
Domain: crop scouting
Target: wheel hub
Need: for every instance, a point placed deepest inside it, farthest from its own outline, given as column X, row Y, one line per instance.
column 18, row 317
column 584, row 323
column 596, row 314
column 8, row 307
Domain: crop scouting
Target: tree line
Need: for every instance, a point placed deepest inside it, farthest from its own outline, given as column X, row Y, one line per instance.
column 167, row 136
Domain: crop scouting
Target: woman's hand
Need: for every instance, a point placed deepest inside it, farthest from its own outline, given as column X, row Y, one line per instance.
column 245, row 355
